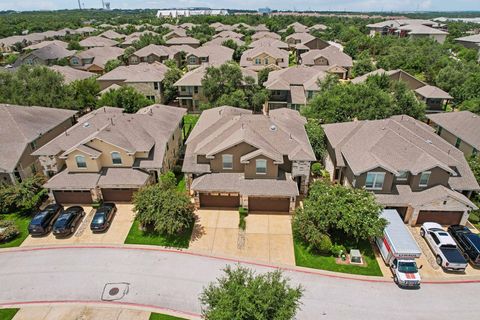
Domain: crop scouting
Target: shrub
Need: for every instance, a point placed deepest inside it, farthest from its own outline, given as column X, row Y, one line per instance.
column 337, row 249
column 177, row 169
column 243, row 212
column 474, row 218
column 324, row 244
column 317, row 169
column 8, row 231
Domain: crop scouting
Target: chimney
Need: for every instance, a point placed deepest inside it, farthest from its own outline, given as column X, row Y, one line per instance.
column 266, row 109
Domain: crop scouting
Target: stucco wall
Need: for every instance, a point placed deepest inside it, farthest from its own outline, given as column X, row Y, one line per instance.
column 250, row 169
column 237, row 151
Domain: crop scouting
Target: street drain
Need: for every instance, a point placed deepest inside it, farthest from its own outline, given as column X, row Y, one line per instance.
column 115, row 291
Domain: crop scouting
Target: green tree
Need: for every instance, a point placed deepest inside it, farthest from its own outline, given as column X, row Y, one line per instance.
column 74, row 45
column 147, row 39
column 169, row 90
column 474, row 163
column 240, row 294
column 127, row 53
column 221, row 81
column 112, row 64
column 203, row 32
column 24, row 196
column 263, row 75
column 362, row 65
column 163, row 208
column 316, row 135
column 125, row 97
column 84, row 93
column 331, row 208
column 472, row 105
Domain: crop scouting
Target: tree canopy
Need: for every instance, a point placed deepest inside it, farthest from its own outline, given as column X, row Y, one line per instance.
column 242, row 295
column 124, row 97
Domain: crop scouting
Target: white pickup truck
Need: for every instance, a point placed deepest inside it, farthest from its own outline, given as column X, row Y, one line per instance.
column 446, row 252
column 399, row 250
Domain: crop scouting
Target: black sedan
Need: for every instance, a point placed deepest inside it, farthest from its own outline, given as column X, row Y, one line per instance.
column 42, row 222
column 103, row 217
column 68, row 221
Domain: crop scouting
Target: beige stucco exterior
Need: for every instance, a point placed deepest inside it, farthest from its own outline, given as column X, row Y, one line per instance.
column 466, row 148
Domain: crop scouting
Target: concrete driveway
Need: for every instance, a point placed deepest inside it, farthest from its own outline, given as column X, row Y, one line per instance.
column 79, row 313
column 268, row 237
column 116, row 234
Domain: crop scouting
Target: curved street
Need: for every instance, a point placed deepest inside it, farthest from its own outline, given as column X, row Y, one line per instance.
column 173, row 280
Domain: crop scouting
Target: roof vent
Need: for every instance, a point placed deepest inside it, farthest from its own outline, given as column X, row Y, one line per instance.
column 428, row 141
column 86, row 125
column 273, row 127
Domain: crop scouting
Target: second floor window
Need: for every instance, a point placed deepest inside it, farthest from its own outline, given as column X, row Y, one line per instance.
column 261, row 166
column 116, row 158
column 81, row 163
column 258, row 61
column 424, row 177
column 192, row 60
column 227, row 161
column 156, row 85
column 375, row 180
column 402, row 175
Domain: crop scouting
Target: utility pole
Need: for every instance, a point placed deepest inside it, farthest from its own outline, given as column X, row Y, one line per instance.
column 79, row 5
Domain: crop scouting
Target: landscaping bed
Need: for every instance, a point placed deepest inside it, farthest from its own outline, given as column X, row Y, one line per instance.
column 304, row 258
column 137, row 236
column 158, row 316
column 21, row 221
column 8, row 314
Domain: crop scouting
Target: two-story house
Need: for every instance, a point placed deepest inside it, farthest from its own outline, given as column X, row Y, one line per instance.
column 146, row 78
column 435, row 98
column 414, row 28
column 292, row 87
column 24, row 130
column 269, row 42
column 213, row 55
column 152, row 53
column 97, row 41
column 461, row 129
column 303, row 42
column 94, row 60
column 189, row 41
column 190, row 93
column 47, row 55
column 235, row 158
column 406, row 165
column 264, row 57
column 108, row 154
column 331, row 58
column 265, row 34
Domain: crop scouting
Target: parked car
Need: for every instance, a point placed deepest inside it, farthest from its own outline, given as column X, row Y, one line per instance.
column 468, row 242
column 68, row 221
column 447, row 254
column 43, row 220
column 103, row 217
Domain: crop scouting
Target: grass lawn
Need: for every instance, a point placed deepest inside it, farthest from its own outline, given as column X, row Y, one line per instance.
column 22, row 221
column 189, row 121
column 304, row 258
column 158, row 316
column 137, row 236
column 7, row 314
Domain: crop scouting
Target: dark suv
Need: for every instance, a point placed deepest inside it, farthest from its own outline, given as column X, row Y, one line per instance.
column 42, row 222
column 468, row 242
column 68, row 221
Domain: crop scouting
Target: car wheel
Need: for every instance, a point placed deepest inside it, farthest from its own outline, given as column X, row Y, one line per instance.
column 83, row 213
column 72, row 229
column 422, row 233
column 439, row 260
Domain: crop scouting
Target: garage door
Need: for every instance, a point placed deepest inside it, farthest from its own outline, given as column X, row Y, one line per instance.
column 76, row 197
column 442, row 217
column 269, row 204
column 118, row 195
column 219, row 201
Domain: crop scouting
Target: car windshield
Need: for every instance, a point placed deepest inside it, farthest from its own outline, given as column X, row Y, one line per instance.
column 63, row 219
column 407, row 267
column 39, row 217
column 98, row 218
column 443, row 234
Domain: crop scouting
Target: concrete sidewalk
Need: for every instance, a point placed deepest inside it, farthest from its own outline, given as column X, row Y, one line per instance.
column 67, row 312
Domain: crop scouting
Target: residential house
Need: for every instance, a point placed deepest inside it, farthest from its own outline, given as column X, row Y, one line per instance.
column 42, row 44
column 175, row 33
column 461, row 129
column 146, row 78
column 192, row 42
column 296, row 26
column 303, row 42
column 152, row 53
column 84, row 31
column 228, row 34
column 265, row 34
column 97, row 41
column 94, row 60
column 187, row 25
column 414, row 28
column 235, row 158
column 46, row 55
column 111, row 34
column 219, row 27
column 213, row 55
column 133, row 37
column 260, row 27
column 317, row 27
column 405, row 164
column 190, row 93
column 269, row 42
column 264, row 57
column 292, row 87
column 435, row 98
column 108, row 154
column 331, row 58
column 219, row 41
column 241, row 25
column 472, row 41
column 71, row 74
column 22, row 131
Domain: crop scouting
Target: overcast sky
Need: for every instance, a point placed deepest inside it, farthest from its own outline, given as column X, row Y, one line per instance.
column 348, row 5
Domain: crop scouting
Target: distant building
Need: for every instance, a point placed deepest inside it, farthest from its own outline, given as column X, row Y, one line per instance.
column 265, row 10
column 174, row 13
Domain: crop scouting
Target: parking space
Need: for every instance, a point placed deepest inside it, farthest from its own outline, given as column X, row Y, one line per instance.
column 116, row 234
column 268, row 237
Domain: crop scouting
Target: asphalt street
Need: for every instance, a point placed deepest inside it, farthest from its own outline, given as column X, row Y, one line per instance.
column 174, row 281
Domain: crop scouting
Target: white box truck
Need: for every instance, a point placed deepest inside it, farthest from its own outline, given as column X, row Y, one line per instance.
column 399, row 250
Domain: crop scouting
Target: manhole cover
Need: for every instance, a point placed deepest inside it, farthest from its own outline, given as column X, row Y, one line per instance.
column 113, row 291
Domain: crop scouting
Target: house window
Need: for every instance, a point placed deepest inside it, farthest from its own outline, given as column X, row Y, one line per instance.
column 258, row 61
column 195, row 89
column 152, row 98
column 261, row 166
column 402, row 176
column 192, row 60
column 424, row 177
column 375, row 180
column 458, row 142
column 116, row 158
column 266, row 61
column 33, row 144
column 81, row 163
column 227, row 161
column 474, row 152
column 155, row 85
column 74, row 61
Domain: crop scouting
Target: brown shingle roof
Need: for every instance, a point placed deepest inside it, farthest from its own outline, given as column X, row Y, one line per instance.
column 142, row 72
column 331, row 53
column 96, row 41
column 247, row 59
column 263, row 34
column 268, row 42
column 463, row 124
column 182, row 40
column 101, row 55
column 71, row 74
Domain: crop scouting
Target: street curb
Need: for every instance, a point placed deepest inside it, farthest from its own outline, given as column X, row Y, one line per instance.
column 310, row 271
